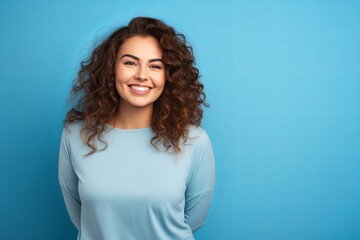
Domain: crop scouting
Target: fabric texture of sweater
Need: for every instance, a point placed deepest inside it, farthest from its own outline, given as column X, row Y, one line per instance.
column 133, row 191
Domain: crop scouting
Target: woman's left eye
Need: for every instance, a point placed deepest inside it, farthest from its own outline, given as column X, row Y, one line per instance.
column 155, row 66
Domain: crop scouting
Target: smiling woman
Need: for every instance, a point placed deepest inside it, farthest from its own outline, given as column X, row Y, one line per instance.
column 139, row 79
column 139, row 98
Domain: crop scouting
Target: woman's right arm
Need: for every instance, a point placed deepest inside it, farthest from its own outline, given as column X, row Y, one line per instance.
column 69, row 181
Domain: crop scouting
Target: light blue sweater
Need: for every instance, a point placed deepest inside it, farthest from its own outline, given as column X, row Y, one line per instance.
column 132, row 191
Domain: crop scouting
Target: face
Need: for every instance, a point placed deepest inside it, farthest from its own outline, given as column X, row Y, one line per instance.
column 139, row 72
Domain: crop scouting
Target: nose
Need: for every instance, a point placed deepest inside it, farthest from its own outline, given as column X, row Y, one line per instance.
column 141, row 75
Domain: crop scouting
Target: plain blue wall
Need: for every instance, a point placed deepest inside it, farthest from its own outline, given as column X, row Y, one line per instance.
column 283, row 81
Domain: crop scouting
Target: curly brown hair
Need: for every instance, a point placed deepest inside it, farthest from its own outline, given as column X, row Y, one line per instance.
column 178, row 106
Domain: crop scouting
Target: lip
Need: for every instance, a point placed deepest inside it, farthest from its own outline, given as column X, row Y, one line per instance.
column 140, row 85
column 137, row 91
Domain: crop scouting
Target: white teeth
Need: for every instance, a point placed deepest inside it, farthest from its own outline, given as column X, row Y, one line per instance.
column 139, row 88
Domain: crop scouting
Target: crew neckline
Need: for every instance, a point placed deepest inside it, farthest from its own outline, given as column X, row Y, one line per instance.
column 128, row 130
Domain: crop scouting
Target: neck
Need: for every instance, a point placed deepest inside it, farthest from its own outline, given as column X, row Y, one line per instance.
column 132, row 117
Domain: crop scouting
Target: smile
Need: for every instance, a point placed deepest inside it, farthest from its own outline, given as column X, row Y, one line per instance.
column 140, row 90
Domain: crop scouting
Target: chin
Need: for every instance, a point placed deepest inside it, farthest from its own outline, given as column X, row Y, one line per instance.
column 142, row 105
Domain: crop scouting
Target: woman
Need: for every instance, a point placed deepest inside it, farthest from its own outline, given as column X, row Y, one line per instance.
column 133, row 161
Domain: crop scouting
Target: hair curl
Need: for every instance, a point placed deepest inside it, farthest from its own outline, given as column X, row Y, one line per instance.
column 178, row 106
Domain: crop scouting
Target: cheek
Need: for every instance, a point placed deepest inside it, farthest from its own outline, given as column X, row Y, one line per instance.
column 121, row 81
column 119, row 84
column 122, row 75
column 160, row 81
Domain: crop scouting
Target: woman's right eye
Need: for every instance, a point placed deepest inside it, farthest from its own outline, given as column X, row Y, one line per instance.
column 129, row 63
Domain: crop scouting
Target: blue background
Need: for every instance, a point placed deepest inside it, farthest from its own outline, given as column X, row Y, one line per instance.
column 283, row 81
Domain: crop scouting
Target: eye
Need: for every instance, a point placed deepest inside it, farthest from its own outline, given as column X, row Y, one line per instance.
column 129, row 63
column 156, row 66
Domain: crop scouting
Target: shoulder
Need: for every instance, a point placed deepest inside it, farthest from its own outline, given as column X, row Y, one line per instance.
column 195, row 131
column 73, row 128
column 198, row 136
column 71, row 131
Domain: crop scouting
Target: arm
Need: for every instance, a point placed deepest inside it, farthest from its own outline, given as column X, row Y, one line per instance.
column 69, row 181
column 200, row 184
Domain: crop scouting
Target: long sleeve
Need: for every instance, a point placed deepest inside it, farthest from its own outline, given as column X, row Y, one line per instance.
column 69, row 181
column 200, row 184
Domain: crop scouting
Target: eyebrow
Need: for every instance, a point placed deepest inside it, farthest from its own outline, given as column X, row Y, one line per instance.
column 137, row 58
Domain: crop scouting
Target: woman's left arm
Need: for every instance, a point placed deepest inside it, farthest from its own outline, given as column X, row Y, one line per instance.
column 200, row 184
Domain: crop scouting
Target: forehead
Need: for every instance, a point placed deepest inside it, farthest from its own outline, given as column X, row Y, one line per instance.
column 142, row 47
